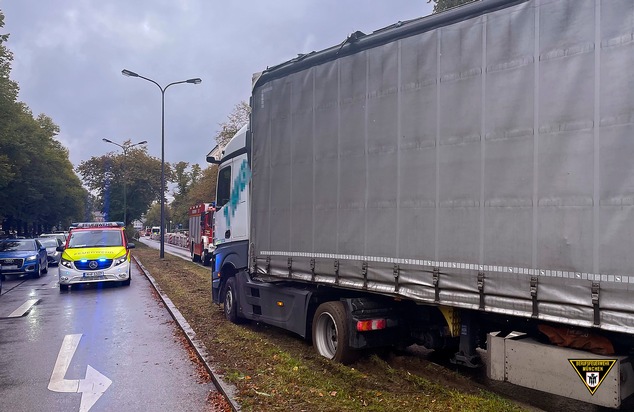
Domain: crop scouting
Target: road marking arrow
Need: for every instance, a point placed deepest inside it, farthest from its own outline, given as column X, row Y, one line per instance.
column 91, row 388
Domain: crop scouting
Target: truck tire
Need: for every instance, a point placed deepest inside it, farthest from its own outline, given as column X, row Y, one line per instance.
column 331, row 335
column 231, row 301
column 206, row 258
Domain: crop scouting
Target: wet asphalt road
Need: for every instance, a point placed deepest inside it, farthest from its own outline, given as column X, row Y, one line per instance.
column 91, row 336
column 171, row 249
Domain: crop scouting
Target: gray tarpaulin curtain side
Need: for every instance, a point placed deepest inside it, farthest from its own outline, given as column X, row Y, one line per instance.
column 484, row 164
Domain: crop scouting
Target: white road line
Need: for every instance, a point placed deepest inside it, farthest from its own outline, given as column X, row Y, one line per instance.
column 25, row 307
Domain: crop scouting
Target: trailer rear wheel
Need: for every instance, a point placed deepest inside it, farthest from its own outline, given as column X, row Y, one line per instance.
column 331, row 335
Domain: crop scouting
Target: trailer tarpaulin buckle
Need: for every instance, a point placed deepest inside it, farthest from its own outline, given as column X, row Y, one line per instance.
column 481, row 288
column 336, row 271
column 254, row 263
column 289, row 264
column 596, row 286
column 364, row 273
column 435, row 280
column 268, row 265
column 534, row 280
column 397, row 274
column 312, row 269
column 254, row 258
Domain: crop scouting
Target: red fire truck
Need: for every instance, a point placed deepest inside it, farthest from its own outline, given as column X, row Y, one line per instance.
column 200, row 232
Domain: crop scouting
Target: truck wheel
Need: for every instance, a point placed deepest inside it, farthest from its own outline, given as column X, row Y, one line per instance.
column 191, row 252
column 231, row 301
column 331, row 335
column 206, row 258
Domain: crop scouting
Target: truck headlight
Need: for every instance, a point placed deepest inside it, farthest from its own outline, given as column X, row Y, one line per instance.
column 66, row 263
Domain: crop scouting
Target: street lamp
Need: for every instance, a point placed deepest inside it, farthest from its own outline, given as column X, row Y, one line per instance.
column 125, row 148
column 196, row 80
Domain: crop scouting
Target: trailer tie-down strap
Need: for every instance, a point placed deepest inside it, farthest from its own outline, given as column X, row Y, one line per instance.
column 289, row 264
column 364, row 273
column 534, row 295
column 435, row 279
column 336, row 271
column 481, row 289
column 596, row 286
column 312, row 269
column 396, row 272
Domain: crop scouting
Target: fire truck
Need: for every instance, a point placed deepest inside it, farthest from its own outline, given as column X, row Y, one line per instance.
column 200, row 232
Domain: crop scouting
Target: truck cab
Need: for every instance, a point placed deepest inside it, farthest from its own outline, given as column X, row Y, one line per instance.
column 231, row 220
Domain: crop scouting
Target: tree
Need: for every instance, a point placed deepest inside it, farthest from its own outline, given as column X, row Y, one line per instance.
column 204, row 190
column 153, row 216
column 8, row 109
column 38, row 187
column 180, row 206
column 237, row 118
column 105, row 175
column 442, row 5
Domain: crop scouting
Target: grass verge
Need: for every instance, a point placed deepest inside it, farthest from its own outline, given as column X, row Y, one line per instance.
column 278, row 371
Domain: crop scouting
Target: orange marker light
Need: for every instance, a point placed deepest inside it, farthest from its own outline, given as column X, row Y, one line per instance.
column 371, row 324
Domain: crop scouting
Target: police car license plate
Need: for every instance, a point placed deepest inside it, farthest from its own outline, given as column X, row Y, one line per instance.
column 92, row 275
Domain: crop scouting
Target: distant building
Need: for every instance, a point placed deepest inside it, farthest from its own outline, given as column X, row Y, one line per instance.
column 137, row 224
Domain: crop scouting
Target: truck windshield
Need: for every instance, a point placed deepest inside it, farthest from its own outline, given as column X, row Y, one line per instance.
column 224, row 187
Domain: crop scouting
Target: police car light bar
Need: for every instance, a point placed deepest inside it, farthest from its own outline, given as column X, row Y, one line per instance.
column 96, row 224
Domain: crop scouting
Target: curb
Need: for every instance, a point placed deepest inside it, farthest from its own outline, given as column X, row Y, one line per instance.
column 226, row 389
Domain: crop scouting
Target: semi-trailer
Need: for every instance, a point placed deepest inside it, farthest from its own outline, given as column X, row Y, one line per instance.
column 460, row 181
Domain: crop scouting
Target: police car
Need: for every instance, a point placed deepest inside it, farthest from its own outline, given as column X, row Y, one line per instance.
column 95, row 252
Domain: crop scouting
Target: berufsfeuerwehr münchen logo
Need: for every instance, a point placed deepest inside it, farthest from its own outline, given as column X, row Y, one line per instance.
column 592, row 371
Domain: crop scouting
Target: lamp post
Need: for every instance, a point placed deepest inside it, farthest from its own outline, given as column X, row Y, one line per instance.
column 125, row 149
column 196, row 80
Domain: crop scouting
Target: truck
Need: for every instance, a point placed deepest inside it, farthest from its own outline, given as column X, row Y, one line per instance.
column 462, row 181
column 201, row 244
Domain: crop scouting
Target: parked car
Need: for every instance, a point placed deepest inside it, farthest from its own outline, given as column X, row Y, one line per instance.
column 23, row 257
column 60, row 236
column 51, row 244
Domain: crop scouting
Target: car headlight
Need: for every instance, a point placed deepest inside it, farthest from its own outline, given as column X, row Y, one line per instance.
column 121, row 260
column 66, row 263
column 31, row 258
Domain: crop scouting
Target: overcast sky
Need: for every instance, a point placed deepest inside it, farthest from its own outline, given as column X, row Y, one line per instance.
column 68, row 57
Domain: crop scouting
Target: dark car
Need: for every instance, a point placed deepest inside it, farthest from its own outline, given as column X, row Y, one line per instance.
column 51, row 244
column 23, row 257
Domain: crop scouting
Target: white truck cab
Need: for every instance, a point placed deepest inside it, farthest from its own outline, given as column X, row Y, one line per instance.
column 231, row 220
column 232, row 203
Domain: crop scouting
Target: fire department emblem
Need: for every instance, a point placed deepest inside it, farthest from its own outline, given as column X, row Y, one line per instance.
column 592, row 371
